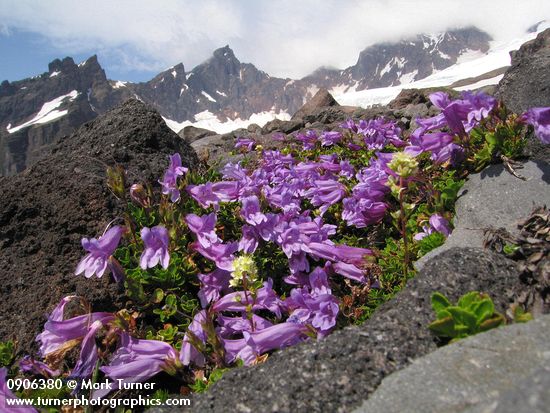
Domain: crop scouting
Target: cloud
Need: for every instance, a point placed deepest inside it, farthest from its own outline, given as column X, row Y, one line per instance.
column 284, row 37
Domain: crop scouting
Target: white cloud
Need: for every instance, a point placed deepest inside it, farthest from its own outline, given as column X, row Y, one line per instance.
column 283, row 37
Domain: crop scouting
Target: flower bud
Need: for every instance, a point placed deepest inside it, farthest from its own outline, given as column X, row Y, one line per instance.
column 139, row 195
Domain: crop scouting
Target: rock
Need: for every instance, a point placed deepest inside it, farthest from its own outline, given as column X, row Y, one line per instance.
column 284, row 126
column 527, row 83
column 338, row 372
column 476, row 374
column 322, row 99
column 408, row 97
column 495, row 198
column 47, row 209
column 192, row 133
column 254, row 128
column 529, row 395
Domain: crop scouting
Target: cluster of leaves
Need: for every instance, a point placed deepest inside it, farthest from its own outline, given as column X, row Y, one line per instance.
column 474, row 313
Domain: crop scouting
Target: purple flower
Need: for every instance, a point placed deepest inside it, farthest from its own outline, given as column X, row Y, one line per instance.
column 204, row 228
column 258, row 342
column 136, row 361
column 349, row 271
column 325, row 193
column 29, row 365
column 156, row 243
column 61, row 335
column 221, row 254
column 308, row 139
column 436, row 224
column 88, row 353
column 246, row 143
column 314, row 305
column 350, row 125
column 250, row 239
column 189, row 352
column 169, row 182
column 6, row 394
column 212, row 284
column 99, row 254
column 266, row 298
column 251, row 211
column 335, row 253
column 539, row 118
column 230, row 326
column 330, row 138
column 203, row 194
column 481, row 105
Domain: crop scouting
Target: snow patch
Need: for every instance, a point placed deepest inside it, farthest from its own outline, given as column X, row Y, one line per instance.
column 188, row 75
column 47, row 113
column 310, row 92
column 183, row 89
column 119, row 84
column 57, row 72
column 481, row 83
column 174, row 73
column 396, row 61
column 221, row 93
column 208, row 120
column 406, row 78
column 207, row 96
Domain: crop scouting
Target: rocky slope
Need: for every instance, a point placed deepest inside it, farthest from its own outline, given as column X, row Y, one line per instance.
column 45, row 211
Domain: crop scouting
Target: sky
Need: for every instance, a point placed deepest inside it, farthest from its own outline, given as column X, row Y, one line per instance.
column 137, row 39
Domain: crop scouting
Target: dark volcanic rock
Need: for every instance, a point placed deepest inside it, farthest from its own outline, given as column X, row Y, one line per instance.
column 192, row 134
column 285, row 126
column 409, row 97
column 45, row 211
column 321, row 99
column 337, row 373
column 527, row 84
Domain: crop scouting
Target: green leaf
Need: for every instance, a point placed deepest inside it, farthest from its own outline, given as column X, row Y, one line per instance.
column 158, row 296
column 484, row 310
column 463, row 317
column 444, row 327
column 468, row 299
column 439, row 302
column 496, row 321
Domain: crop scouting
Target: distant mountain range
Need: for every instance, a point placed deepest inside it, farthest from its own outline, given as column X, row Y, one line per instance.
column 37, row 111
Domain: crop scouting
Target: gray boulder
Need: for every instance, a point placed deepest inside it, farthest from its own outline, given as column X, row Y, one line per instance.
column 494, row 198
column 502, row 370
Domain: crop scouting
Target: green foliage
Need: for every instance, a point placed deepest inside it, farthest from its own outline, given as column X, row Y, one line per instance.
column 430, row 242
column 7, row 353
column 447, row 186
column 474, row 313
column 202, row 384
column 520, row 315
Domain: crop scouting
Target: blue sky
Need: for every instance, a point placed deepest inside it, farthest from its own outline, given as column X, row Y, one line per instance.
column 136, row 39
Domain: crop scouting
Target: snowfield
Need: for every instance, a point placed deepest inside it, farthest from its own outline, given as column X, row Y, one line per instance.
column 47, row 113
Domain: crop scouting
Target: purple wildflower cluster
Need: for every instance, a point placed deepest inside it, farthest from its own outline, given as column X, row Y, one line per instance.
column 283, row 202
column 444, row 134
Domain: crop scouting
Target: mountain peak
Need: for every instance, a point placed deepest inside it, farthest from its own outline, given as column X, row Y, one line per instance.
column 60, row 65
column 224, row 53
